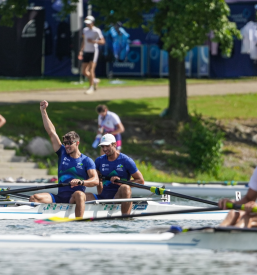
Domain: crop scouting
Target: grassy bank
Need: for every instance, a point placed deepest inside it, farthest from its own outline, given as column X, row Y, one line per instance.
column 164, row 163
column 60, row 83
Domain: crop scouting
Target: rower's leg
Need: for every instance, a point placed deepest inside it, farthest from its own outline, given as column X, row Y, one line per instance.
column 79, row 199
column 253, row 221
column 244, row 221
column 124, row 192
column 41, row 198
column 231, row 219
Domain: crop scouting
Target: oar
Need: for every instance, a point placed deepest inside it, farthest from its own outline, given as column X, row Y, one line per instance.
column 35, row 188
column 161, row 191
column 61, row 220
column 17, row 195
column 57, row 219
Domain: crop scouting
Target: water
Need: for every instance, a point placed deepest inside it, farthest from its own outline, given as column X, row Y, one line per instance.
column 67, row 261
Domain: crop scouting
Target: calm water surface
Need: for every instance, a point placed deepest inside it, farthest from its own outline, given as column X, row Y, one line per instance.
column 61, row 261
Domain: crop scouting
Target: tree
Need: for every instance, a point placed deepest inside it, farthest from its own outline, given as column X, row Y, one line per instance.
column 182, row 25
column 17, row 8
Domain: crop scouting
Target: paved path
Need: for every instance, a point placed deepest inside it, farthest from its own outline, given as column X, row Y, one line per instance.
column 128, row 92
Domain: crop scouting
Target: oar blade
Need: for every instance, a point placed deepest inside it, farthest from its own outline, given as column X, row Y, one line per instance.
column 59, row 220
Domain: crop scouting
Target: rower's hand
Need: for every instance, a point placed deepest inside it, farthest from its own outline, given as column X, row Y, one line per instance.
column 249, row 206
column 75, row 182
column 223, row 202
column 112, row 179
column 43, row 105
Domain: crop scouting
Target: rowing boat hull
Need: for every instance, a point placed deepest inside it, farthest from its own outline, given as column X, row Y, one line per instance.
column 44, row 211
column 218, row 241
column 192, row 190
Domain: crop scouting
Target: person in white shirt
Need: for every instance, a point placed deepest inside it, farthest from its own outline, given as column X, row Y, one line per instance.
column 109, row 122
column 249, row 41
column 92, row 37
column 243, row 218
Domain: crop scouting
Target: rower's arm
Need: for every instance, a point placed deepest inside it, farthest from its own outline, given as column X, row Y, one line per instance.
column 49, row 127
column 138, row 177
column 92, row 180
column 2, row 121
column 100, row 185
column 251, row 195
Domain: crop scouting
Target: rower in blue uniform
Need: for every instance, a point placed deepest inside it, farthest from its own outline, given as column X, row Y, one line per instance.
column 73, row 167
column 115, row 165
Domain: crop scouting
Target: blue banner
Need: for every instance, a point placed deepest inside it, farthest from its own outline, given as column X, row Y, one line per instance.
column 158, row 62
column 135, row 64
column 203, row 61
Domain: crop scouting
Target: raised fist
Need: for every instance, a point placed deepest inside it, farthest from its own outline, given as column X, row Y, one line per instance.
column 43, row 105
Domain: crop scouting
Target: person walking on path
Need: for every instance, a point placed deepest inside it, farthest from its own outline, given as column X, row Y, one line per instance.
column 2, row 121
column 73, row 167
column 115, row 165
column 92, row 37
column 109, row 122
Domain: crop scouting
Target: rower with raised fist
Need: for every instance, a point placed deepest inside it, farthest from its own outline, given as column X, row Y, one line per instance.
column 73, row 167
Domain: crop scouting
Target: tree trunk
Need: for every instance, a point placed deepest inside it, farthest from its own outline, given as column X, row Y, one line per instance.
column 177, row 110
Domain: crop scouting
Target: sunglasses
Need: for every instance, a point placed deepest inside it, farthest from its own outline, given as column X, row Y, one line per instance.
column 68, row 142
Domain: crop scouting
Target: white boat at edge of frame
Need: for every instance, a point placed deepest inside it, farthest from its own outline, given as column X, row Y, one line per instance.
column 103, row 208
column 218, row 190
column 211, row 239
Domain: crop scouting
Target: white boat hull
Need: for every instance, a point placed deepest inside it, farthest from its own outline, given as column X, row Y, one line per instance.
column 191, row 190
column 218, row 241
column 44, row 211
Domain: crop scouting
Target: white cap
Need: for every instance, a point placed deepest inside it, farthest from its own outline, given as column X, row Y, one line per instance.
column 89, row 19
column 107, row 139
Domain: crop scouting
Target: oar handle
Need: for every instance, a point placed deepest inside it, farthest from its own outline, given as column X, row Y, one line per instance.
column 231, row 205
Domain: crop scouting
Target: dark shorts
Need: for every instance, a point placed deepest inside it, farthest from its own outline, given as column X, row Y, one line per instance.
column 60, row 199
column 105, row 196
column 88, row 57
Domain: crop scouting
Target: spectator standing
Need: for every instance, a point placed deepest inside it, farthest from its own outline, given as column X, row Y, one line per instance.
column 92, row 37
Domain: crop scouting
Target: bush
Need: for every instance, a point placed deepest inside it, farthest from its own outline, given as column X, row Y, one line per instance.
column 203, row 141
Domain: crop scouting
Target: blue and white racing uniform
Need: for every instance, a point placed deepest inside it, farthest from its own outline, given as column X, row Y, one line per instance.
column 123, row 167
column 69, row 169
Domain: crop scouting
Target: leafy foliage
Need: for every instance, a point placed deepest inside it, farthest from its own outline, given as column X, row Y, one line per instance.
column 203, row 141
column 16, row 8
column 182, row 25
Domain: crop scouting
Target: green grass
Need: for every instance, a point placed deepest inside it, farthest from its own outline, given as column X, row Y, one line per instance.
column 60, row 83
column 226, row 106
column 226, row 174
column 26, row 119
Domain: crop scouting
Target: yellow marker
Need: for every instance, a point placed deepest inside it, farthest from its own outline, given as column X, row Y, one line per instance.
column 153, row 190
column 58, row 219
